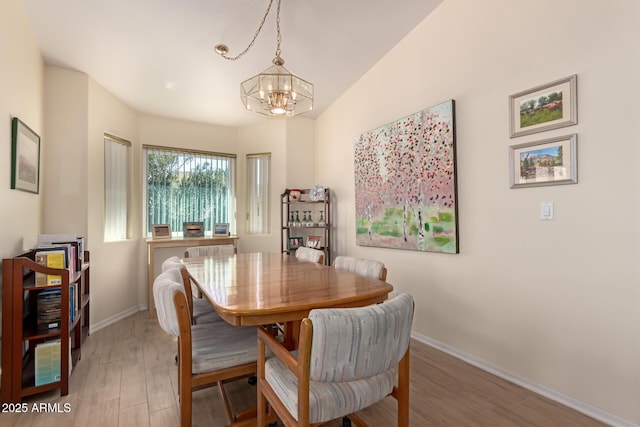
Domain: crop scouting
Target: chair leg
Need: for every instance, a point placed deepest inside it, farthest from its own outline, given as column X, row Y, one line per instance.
column 403, row 390
column 185, row 406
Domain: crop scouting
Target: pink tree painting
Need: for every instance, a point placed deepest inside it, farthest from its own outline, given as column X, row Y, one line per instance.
column 405, row 183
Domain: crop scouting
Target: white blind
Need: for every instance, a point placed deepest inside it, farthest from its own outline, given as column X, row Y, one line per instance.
column 258, row 171
column 115, row 189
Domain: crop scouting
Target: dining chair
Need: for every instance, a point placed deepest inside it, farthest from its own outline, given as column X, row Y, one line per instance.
column 198, row 251
column 347, row 360
column 208, row 354
column 310, row 254
column 200, row 310
column 365, row 267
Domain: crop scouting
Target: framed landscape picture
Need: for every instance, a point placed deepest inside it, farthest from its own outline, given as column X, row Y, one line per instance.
column 25, row 158
column 548, row 162
column 549, row 106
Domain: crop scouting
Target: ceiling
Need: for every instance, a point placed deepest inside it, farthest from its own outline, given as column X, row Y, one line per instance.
column 157, row 55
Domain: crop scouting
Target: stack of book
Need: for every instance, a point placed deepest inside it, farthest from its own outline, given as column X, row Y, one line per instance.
column 49, row 302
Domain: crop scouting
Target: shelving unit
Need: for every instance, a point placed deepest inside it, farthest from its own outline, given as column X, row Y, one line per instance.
column 20, row 333
column 311, row 227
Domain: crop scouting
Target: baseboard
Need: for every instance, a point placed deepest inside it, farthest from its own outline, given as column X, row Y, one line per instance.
column 113, row 319
column 542, row 390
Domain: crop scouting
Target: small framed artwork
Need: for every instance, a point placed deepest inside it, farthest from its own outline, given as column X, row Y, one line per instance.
column 294, row 242
column 548, row 162
column 161, row 231
column 549, row 106
column 25, row 157
column 313, row 242
column 193, row 229
column 221, row 229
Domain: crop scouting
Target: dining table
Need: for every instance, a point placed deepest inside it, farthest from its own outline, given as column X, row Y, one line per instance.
column 264, row 288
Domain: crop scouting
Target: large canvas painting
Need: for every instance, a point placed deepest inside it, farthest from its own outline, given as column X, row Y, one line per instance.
column 405, row 183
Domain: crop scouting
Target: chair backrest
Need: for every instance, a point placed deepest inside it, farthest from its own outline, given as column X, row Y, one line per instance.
column 365, row 267
column 198, row 251
column 164, row 288
column 356, row 343
column 170, row 263
column 310, row 254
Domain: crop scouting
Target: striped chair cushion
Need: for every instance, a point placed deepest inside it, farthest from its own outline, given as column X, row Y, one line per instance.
column 220, row 345
column 170, row 263
column 163, row 289
column 364, row 267
column 203, row 312
column 309, row 254
column 328, row 401
column 198, row 251
column 371, row 340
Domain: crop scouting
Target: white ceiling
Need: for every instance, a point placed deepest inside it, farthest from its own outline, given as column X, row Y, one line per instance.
column 157, row 55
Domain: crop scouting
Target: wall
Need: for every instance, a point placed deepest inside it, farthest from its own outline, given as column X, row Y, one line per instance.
column 21, row 86
column 21, row 90
column 556, row 303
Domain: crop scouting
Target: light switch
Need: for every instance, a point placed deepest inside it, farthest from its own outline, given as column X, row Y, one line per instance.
column 546, row 210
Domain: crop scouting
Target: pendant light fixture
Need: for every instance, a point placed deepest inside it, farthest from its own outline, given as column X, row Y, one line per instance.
column 275, row 91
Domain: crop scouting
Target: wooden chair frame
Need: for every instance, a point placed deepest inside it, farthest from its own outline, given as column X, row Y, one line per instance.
column 300, row 367
column 189, row 382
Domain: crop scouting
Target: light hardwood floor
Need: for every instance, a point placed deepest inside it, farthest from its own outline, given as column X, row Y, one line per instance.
column 127, row 377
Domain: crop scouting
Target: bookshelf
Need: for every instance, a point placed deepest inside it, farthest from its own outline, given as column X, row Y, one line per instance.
column 306, row 221
column 21, row 334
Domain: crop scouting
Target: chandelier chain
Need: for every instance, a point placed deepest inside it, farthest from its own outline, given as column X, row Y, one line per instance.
column 279, row 36
column 255, row 36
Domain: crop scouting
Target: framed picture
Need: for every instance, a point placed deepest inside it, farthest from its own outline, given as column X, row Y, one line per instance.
column 548, row 162
column 161, row 231
column 405, row 183
column 25, row 157
column 221, row 229
column 193, row 229
column 294, row 242
column 313, row 242
column 550, row 106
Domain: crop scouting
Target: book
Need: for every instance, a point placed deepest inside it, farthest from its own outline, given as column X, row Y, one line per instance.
column 53, row 258
column 49, row 309
column 47, row 362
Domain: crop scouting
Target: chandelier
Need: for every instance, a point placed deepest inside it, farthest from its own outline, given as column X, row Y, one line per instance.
column 275, row 91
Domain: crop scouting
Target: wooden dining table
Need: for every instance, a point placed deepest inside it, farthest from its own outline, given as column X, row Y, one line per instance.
column 266, row 288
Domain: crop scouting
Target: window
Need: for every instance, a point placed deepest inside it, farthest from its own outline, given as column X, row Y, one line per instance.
column 258, row 193
column 116, row 160
column 188, row 186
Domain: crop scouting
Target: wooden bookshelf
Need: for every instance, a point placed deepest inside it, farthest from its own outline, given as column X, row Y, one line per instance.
column 20, row 333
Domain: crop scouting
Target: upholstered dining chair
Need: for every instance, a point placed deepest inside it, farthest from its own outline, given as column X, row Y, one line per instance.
column 310, row 254
column 200, row 310
column 210, row 250
column 347, row 360
column 365, row 267
column 207, row 354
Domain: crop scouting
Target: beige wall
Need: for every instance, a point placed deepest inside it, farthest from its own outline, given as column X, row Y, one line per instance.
column 21, row 95
column 555, row 302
